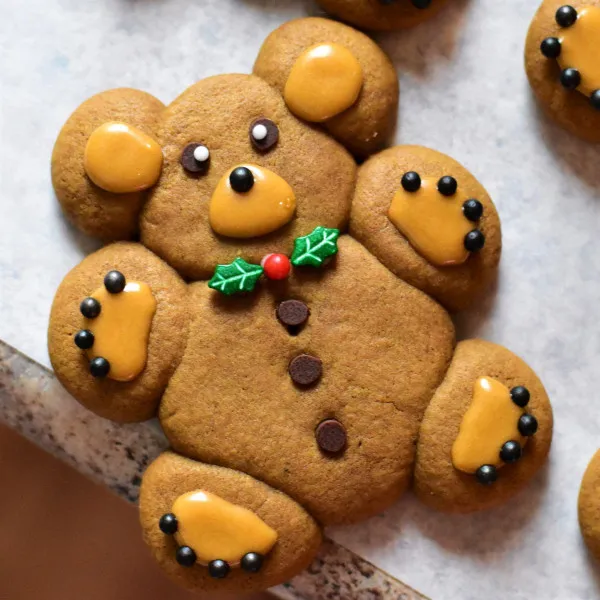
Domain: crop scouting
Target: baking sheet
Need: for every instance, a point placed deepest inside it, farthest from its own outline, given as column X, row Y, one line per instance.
column 464, row 92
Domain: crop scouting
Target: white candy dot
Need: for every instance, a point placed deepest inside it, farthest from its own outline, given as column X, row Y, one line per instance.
column 259, row 132
column 201, row 153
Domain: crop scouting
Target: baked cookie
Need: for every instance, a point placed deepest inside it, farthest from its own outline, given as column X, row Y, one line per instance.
column 300, row 375
column 336, row 76
column 589, row 506
column 562, row 59
column 438, row 230
column 383, row 15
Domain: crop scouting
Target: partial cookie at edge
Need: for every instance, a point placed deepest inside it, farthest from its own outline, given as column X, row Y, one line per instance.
column 589, row 506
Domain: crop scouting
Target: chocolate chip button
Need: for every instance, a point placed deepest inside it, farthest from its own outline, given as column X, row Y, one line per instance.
column 331, row 436
column 305, row 369
column 292, row 313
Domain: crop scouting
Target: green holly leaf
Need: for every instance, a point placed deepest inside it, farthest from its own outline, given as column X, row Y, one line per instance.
column 238, row 276
column 314, row 248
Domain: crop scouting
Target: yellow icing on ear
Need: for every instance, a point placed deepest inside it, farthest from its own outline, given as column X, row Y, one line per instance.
column 121, row 159
column 122, row 329
column 325, row 80
column 434, row 224
column 491, row 420
column 580, row 49
column 219, row 530
column 266, row 207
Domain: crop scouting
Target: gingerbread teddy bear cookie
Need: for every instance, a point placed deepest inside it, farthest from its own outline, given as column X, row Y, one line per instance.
column 282, row 313
column 562, row 58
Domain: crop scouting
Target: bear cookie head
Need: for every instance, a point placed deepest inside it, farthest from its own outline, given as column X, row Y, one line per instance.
column 280, row 313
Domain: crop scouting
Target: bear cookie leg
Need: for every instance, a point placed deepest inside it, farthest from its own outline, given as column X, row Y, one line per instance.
column 213, row 528
column 486, row 432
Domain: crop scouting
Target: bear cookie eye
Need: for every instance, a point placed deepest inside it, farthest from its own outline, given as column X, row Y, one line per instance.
column 264, row 134
column 195, row 158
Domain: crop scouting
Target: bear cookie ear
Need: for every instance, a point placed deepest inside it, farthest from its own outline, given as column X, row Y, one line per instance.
column 335, row 76
column 426, row 218
column 104, row 160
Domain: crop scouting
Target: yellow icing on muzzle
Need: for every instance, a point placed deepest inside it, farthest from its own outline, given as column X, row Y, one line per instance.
column 269, row 204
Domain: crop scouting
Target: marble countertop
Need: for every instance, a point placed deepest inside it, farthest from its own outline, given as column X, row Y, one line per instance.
column 464, row 92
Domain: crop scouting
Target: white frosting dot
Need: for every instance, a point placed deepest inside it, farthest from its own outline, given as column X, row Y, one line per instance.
column 259, row 132
column 201, row 153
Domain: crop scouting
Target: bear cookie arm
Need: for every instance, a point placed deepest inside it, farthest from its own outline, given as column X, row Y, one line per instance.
column 285, row 312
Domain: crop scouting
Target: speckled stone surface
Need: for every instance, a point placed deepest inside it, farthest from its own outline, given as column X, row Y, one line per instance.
column 33, row 403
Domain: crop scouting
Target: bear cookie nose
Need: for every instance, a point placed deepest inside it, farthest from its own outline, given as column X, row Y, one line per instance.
column 241, row 180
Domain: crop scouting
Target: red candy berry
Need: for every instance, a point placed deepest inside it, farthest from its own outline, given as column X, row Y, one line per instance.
column 276, row 266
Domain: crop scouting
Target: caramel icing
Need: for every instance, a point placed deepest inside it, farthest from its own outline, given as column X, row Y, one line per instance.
column 325, row 80
column 219, row 530
column 121, row 159
column 434, row 224
column 269, row 205
column 580, row 49
column 122, row 329
column 491, row 421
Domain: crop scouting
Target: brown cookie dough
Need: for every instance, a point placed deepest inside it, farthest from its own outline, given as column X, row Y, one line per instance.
column 437, row 482
column 367, row 125
column 571, row 109
column 134, row 400
column 589, row 506
column 175, row 222
column 384, row 348
column 383, row 15
column 171, row 475
column 95, row 211
column 457, row 286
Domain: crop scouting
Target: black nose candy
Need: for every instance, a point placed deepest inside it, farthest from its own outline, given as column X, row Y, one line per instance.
column 241, row 180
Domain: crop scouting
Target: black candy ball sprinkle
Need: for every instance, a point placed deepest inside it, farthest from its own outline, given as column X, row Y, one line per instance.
column 84, row 339
column 168, row 524
column 252, row 562
column 241, row 180
column 486, row 474
column 595, row 99
column 566, row 16
column 528, row 425
column 551, row 47
column 218, row 569
column 520, row 396
column 90, row 308
column 411, row 181
column 185, row 556
column 99, row 367
column 474, row 240
column 447, row 186
column 473, row 209
column 421, row 4
column 570, row 78
column 511, row 452
column 114, row 282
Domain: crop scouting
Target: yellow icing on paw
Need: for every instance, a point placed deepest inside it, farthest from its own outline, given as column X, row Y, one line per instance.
column 122, row 329
column 325, row 80
column 269, row 204
column 580, row 49
column 491, row 420
column 434, row 224
column 219, row 530
column 121, row 159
